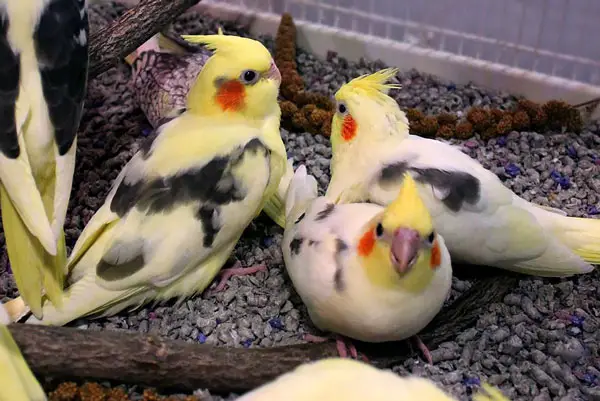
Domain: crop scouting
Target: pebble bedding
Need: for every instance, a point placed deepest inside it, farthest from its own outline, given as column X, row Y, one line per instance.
column 540, row 343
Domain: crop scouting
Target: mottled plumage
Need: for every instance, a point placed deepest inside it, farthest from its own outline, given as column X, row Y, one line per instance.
column 366, row 272
column 161, row 82
column 163, row 71
column 482, row 221
column 43, row 75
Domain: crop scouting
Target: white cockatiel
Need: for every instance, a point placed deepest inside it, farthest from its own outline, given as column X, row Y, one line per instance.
column 482, row 221
column 17, row 382
column 338, row 379
column 366, row 272
column 180, row 205
column 44, row 56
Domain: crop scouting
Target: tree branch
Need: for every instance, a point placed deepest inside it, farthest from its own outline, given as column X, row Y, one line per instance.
column 112, row 43
column 69, row 353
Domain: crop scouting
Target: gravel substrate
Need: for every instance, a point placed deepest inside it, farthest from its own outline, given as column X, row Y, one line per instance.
column 540, row 343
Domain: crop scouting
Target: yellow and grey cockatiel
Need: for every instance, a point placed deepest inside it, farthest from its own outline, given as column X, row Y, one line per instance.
column 163, row 71
column 17, row 382
column 339, row 379
column 482, row 221
column 365, row 272
column 44, row 56
column 180, row 205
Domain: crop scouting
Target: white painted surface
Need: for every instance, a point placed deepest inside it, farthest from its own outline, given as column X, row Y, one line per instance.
column 542, row 49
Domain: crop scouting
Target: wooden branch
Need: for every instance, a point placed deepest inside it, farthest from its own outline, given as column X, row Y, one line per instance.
column 112, row 43
column 68, row 353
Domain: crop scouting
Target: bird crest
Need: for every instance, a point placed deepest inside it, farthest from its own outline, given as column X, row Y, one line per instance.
column 221, row 44
column 372, row 85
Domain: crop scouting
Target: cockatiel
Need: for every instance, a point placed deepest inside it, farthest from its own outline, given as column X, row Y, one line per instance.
column 482, row 221
column 366, row 272
column 163, row 71
column 178, row 208
column 17, row 382
column 338, row 379
column 44, row 52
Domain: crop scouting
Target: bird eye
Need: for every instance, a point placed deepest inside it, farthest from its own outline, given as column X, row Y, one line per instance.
column 431, row 237
column 379, row 230
column 342, row 109
column 249, row 76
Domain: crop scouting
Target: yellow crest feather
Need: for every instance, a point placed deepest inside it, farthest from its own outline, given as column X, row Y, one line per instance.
column 371, row 84
column 408, row 209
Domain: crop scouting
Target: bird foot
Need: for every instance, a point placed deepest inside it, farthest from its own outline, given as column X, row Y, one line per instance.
column 237, row 270
column 423, row 349
column 344, row 346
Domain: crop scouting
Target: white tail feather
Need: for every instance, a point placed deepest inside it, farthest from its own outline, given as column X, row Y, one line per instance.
column 302, row 190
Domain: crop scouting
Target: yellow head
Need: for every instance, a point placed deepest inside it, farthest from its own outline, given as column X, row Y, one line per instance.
column 240, row 78
column 365, row 112
column 399, row 246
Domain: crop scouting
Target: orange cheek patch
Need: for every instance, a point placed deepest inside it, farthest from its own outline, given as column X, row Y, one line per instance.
column 231, row 95
column 349, row 128
column 366, row 243
column 436, row 255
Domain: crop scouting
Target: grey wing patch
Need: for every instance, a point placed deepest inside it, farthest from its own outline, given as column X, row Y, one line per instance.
column 327, row 210
column 213, row 183
column 459, row 187
column 113, row 272
column 392, row 172
column 9, row 91
column 295, row 245
column 209, row 217
column 61, row 40
column 338, row 276
column 161, row 82
column 299, row 219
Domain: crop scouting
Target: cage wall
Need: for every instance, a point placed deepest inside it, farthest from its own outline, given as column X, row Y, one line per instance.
column 542, row 49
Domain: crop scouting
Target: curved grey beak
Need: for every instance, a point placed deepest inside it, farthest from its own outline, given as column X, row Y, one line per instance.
column 405, row 247
column 274, row 72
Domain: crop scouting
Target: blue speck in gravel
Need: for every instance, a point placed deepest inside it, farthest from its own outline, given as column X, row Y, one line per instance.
column 555, row 175
column 276, row 323
column 146, row 131
column 592, row 210
column 564, row 182
column 577, row 320
column 247, row 343
column 591, row 379
column 512, row 170
column 501, row 141
column 472, row 381
column 201, row 338
column 571, row 152
column 267, row 241
column 451, row 87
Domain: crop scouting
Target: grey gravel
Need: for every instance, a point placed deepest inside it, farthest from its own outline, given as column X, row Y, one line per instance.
column 540, row 343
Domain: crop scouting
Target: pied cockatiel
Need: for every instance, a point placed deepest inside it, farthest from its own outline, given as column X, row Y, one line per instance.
column 482, row 221
column 43, row 80
column 364, row 271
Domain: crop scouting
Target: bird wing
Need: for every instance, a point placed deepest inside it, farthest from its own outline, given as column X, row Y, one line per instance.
column 61, row 42
column 470, row 202
column 164, row 220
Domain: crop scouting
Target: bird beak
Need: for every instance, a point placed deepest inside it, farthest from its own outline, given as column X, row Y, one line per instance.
column 274, row 72
column 406, row 244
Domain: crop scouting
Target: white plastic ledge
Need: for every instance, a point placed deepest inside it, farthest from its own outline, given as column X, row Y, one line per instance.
column 319, row 39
